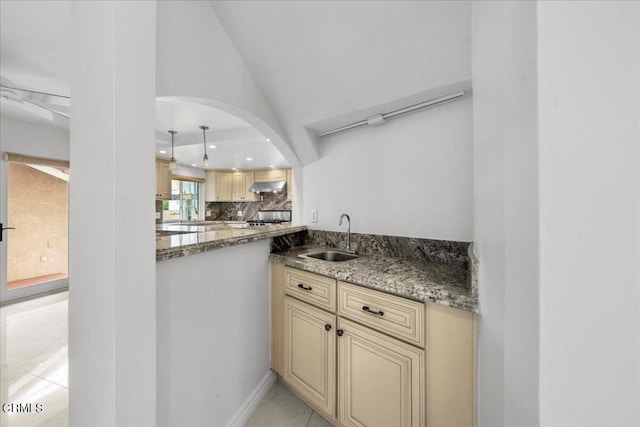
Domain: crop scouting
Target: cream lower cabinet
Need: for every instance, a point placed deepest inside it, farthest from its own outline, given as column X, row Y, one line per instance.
column 388, row 361
column 309, row 353
column 380, row 379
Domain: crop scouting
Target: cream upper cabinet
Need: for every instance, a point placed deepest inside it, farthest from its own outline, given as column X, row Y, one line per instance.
column 289, row 184
column 380, row 379
column 310, row 353
column 278, row 175
column 241, row 182
column 237, row 187
column 224, row 186
column 271, row 175
column 163, row 180
column 263, row 176
column 210, row 187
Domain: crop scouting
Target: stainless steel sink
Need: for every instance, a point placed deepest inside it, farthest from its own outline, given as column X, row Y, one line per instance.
column 333, row 256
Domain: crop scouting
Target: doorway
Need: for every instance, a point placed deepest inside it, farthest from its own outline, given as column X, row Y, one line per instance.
column 35, row 251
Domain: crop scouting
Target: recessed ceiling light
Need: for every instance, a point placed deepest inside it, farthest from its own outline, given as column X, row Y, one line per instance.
column 212, row 146
column 193, row 164
column 163, row 152
column 271, row 166
column 234, row 168
column 268, row 140
column 249, row 158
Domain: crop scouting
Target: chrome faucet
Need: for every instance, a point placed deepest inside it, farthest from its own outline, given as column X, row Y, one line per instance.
column 344, row 215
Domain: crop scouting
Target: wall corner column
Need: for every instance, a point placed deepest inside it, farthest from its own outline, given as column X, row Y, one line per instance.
column 112, row 298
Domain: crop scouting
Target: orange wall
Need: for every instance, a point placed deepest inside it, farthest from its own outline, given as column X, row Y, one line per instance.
column 39, row 209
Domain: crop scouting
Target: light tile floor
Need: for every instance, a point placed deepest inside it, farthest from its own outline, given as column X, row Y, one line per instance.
column 281, row 408
column 34, row 362
column 34, row 369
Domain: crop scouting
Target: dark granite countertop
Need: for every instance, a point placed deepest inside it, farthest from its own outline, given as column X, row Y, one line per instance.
column 202, row 239
column 418, row 279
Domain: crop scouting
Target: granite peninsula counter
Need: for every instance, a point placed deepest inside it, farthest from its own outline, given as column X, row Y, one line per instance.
column 196, row 239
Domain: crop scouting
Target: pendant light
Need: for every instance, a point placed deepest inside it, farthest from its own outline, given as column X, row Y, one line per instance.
column 205, row 158
column 172, row 164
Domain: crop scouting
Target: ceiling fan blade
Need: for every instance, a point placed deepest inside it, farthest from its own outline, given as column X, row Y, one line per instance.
column 35, row 96
column 61, row 113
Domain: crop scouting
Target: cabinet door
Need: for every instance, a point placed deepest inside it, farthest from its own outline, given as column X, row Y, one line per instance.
column 270, row 175
column 309, row 353
column 248, row 181
column 380, row 379
column 241, row 182
column 277, row 317
column 224, row 186
column 278, row 175
column 163, row 181
column 263, row 176
column 210, row 187
column 157, row 181
column 237, row 185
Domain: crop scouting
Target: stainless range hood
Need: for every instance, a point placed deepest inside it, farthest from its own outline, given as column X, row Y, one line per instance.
column 269, row 187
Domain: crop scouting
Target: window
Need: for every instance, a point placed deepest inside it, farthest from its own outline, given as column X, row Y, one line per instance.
column 184, row 202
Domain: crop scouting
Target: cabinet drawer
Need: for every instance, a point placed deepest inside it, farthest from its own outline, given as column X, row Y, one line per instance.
column 396, row 316
column 312, row 288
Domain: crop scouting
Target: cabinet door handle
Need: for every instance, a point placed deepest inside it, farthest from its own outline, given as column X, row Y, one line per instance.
column 339, row 332
column 301, row 286
column 368, row 310
column 327, row 327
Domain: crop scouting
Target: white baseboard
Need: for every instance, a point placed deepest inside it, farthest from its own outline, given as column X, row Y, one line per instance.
column 252, row 402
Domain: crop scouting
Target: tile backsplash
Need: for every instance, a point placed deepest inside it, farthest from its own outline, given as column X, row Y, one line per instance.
column 228, row 211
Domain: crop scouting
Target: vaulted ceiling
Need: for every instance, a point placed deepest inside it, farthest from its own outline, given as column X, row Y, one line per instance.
column 316, row 60
column 312, row 60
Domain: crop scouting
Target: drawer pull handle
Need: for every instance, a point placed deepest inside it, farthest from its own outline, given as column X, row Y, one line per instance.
column 301, row 286
column 368, row 310
column 327, row 327
column 339, row 332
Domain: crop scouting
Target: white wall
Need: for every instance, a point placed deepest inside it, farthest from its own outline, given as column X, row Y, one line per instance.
column 589, row 205
column 411, row 176
column 112, row 307
column 213, row 333
column 505, row 210
column 33, row 139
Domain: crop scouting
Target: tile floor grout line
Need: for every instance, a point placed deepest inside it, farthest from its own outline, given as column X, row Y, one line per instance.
column 48, row 380
column 309, row 420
